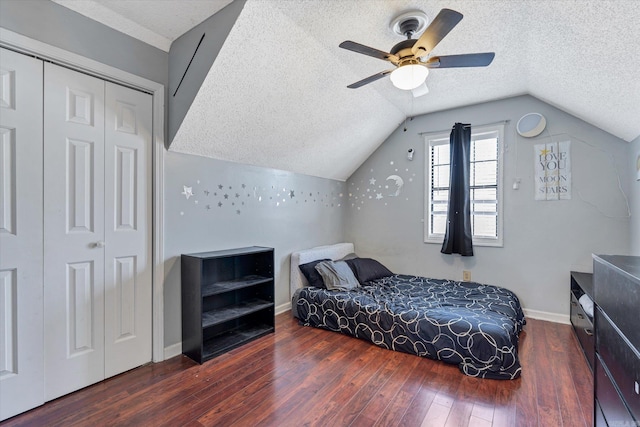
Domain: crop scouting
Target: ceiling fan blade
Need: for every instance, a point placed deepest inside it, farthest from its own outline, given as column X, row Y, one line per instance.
column 420, row 90
column 366, row 50
column 465, row 60
column 369, row 79
column 436, row 31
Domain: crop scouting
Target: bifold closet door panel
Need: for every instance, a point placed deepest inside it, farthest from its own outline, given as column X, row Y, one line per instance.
column 128, row 310
column 73, row 230
column 21, row 299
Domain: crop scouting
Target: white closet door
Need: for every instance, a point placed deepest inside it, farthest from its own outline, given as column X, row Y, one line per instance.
column 21, row 354
column 73, row 230
column 128, row 229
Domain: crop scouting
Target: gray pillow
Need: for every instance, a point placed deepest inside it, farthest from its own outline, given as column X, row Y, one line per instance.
column 337, row 275
column 348, row 257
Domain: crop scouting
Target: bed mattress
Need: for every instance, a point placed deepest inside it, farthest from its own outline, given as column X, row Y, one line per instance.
column 472, row 325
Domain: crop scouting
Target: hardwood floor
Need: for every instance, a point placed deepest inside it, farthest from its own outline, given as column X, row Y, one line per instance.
column 305, row 376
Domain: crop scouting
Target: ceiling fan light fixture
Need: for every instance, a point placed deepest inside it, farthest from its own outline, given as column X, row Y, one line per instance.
column 409, row 76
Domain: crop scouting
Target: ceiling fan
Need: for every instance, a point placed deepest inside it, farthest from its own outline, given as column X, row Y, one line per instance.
column 411, row 56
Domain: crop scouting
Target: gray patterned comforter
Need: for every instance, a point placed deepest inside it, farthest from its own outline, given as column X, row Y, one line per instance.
column 469, row 324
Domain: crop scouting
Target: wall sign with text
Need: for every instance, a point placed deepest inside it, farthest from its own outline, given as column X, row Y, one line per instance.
column 552, row 165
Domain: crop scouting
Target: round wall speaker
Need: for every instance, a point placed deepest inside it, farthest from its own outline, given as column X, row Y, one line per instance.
column 531, row 125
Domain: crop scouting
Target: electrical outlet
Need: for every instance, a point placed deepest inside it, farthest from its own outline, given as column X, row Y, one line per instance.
column 466, row 275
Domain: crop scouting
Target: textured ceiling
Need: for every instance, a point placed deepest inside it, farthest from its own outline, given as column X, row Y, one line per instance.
column 276, row 95
column 156, row 22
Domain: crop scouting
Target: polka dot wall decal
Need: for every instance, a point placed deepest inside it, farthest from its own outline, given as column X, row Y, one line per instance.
column 206, row 192
column 181, row 213
column 391, row 162
column 208, row 207
column 195, row 201
column 198, row 182
column 219, row 204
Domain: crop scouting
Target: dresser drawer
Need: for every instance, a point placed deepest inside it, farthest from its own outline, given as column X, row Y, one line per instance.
column 584, row 329
column 610, row 403
column 618, row 293
column 598, row 418
column 622, row 361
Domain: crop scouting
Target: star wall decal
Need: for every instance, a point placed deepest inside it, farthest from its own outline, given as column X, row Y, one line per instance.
column 220, row 186
column 206, row 192
column 219, row 204
column 544, row 152
column 292, row 194
column 187, row 192
column 379, row 196
column 226, row 196
column 372, row 181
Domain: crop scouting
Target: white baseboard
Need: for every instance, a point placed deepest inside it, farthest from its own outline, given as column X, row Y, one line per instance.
column 172, row 351
column 549, row 317
column 283, row 307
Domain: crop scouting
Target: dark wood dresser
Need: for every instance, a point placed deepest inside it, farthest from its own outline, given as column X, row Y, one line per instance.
column 617, row 325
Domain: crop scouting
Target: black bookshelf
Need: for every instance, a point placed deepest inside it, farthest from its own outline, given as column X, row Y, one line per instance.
column 227, row 300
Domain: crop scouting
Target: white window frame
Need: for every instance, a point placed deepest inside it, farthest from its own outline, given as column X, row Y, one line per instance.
column 477, row 132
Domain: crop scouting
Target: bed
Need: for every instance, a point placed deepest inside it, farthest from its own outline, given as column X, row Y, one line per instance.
column 469, row 324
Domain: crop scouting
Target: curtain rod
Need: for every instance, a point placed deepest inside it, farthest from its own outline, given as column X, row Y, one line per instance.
column 501, row 122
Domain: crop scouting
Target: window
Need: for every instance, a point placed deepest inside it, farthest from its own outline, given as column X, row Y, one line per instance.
column 485, row 184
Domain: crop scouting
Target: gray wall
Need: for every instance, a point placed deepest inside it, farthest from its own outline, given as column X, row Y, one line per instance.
column 543, row 240
column 265, row 207
column 634, row 195
column 215, row 29
column 51, row 23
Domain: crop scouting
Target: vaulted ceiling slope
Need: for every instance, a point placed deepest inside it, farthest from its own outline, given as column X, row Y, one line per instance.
column 276, row 95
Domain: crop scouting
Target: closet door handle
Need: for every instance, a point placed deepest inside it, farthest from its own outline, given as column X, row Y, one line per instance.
column 580, row 316
column 99, row 244
column 588, row 332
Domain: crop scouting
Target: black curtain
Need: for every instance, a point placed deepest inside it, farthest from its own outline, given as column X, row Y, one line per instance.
column 458, row 237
